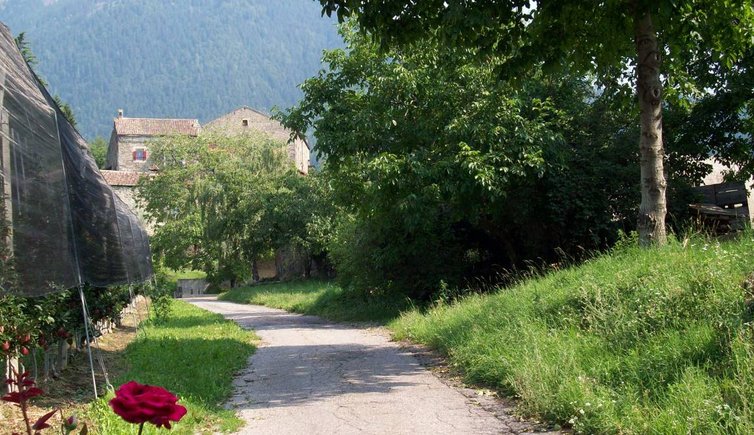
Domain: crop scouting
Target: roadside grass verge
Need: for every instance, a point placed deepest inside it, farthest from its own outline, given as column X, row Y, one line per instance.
column 635, row 341
column 194, row 354
column 318, row 298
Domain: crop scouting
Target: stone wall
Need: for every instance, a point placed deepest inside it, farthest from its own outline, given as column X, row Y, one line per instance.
column 125, row 147
column 245, row 120
column 190, row 287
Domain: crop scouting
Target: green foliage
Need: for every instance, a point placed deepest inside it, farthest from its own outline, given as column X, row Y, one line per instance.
column 66, row 109
column 697, row 35
column 721, row 123
column 220, row 203
column 194, row 354
column 319, row 298
column 161, row 295
column 199, row 59
column 98, row 149
column 450, row 173
column 616, row 44
column 416, row 142
column 28, row 323
column 25, row 48
column 634, row 341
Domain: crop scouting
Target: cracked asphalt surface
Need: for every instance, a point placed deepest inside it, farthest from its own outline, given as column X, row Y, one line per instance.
column 311, row 376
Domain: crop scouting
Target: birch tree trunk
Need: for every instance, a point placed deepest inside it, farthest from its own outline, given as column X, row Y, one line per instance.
column 651, row 221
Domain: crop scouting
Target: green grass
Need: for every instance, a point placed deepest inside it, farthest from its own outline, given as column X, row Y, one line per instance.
column 319, row 298
column 193, row 354
column 635, row 341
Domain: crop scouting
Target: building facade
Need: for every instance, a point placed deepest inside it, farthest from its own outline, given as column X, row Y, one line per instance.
column 128, row 159
column 246, row 120
column 128, row 149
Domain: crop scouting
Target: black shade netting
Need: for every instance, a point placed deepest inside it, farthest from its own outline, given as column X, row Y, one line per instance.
column 67, row 225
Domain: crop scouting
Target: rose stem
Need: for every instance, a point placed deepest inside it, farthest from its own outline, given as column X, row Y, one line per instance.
column 26, row 415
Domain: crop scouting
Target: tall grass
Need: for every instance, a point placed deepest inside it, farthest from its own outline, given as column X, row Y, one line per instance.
column 635, row 341
column 194, row 354
column 318, row 298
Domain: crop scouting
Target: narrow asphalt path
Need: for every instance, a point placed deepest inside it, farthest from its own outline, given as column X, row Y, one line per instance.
column 311, row 376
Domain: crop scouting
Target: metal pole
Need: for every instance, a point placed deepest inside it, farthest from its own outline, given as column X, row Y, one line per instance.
column 88, row 340
column 6, row 154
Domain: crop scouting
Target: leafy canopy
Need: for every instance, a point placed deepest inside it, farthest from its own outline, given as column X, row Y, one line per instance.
column 575, row 35
column 448, row 172
column 219, row 203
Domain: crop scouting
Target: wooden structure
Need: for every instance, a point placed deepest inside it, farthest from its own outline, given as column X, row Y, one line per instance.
column 724, row 207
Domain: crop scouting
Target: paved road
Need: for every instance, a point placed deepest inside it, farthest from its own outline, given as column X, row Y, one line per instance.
column 310, row 376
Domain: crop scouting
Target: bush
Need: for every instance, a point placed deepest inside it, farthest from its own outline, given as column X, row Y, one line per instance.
column 160, row 292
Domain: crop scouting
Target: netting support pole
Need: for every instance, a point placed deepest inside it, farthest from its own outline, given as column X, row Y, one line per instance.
column 88, row 339
column 6, row 153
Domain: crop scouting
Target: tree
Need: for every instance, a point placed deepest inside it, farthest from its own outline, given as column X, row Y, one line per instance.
column 445, row 173
column 31, row 60
column 66, row 109
column 98, row 148
column 221, row 203
column 25, row 48
column 721, row 124
column 613, row 40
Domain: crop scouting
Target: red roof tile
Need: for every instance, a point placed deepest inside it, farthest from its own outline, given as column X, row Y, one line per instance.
column 155, row 126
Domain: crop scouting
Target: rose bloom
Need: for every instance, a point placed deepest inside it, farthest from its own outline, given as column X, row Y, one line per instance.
column 139, row 404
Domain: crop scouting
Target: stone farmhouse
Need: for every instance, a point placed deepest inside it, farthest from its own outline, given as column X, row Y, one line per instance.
column 128, row 149
column 128, row 152
column 128, row 155
column 128, row 159
column 245, row 119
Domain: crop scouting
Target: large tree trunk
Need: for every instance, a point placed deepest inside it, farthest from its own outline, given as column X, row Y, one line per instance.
column 651, row 223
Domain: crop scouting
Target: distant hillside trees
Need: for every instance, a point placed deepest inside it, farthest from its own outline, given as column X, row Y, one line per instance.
column 187, row 59
column 25, row 48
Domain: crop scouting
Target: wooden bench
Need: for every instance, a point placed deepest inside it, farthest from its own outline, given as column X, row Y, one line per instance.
column 724, row 207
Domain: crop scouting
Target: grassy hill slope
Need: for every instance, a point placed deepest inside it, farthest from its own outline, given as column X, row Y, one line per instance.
column 636, row 341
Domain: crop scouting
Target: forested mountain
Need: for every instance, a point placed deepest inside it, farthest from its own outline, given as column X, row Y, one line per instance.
column 171, row 58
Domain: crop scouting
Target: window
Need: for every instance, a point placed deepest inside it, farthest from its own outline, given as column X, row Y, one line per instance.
column 245, row 122
column 140, row 154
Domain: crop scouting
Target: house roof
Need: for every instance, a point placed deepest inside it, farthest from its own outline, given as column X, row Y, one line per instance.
column 155, row 126
column 122, row 178
column 231, row 123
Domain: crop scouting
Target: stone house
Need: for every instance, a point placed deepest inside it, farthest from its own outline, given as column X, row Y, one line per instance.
column 245, row 120
column 128, row 159
column 128, row 149
column 286, row 264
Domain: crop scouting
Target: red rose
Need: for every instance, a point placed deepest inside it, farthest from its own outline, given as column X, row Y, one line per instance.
column 139, row 404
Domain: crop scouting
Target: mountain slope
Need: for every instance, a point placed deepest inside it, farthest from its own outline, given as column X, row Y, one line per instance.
column 171, row 58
